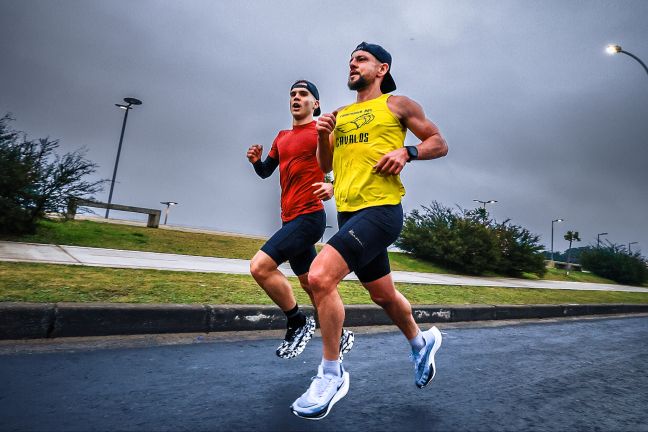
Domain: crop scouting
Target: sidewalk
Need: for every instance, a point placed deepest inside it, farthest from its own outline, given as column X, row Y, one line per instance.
column 96, row 257
column 52, row 320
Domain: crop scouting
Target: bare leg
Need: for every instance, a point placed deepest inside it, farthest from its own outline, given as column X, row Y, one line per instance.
column 303, row 281
column 264, row 270
column 384, row 294
column 325, row 273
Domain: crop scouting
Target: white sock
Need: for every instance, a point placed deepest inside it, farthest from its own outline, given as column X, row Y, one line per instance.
column 417, row 342
column 331, row 367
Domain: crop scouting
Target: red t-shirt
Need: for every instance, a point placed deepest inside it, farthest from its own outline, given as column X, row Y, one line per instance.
column 298, row 170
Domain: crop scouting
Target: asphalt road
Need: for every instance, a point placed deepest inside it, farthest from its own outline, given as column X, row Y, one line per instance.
column 572, row 375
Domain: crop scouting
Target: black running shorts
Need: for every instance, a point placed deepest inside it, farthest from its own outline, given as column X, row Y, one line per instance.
column 364, row 237
column 295, row 241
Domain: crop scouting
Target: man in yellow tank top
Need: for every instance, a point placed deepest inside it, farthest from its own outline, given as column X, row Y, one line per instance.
column 363, row 143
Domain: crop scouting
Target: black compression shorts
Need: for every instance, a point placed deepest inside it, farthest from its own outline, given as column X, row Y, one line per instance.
column 364, row 237
column 295, row 241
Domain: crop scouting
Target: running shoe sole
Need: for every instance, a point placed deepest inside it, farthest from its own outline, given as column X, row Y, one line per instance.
column 308, row 335
column 346, row 342
column 342, row 391
column 437, row 344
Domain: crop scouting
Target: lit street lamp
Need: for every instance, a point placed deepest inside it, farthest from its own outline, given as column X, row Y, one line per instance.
column 552, row 235
column 483, row 203
column 126, row 108
column 629, row 246
column 614, row 49
column 598, row 239
column 166, row 211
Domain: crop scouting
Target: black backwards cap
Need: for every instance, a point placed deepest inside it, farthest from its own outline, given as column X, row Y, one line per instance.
column 311, row 88
column 388, row 85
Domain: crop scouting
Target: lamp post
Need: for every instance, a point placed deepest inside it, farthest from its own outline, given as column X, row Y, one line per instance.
column 166, row 211
column 629, row 246
column 615, row 49
column 552, row 235
column 598, row 239
column 130, row 101
column 483, row 203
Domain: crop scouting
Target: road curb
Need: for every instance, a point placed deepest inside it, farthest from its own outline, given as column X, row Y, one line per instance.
column 52, row 320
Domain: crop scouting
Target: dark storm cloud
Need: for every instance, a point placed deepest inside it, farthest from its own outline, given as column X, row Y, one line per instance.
column 535, row 114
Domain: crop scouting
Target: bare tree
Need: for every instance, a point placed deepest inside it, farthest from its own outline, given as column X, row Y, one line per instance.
column 35, row 180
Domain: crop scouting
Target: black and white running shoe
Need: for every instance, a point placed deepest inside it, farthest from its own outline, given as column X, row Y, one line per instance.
column 296, row 339
column 346, row 342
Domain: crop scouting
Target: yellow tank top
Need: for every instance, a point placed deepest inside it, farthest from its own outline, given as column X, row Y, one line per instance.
column 364, row 132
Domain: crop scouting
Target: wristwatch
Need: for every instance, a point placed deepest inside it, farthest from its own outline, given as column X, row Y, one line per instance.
column 412, row 153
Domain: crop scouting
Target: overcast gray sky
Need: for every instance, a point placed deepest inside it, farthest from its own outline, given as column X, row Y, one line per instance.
column 535, row 114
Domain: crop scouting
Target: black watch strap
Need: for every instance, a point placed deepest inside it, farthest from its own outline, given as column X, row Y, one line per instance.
column 412, row 153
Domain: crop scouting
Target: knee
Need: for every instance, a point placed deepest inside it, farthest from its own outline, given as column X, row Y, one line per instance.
column 258, row 269
column 383, row 299
column 319, row 282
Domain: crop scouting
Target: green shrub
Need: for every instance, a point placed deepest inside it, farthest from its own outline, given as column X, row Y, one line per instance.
column 520, row 251
column 614, row 262
column 467, row 241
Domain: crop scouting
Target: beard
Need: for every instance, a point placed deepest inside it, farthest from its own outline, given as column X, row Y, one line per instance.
column 359, row 84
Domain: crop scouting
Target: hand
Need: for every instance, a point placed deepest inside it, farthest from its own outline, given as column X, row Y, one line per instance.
column 325, row 124
column 392, row 163
column 324, row 191
column 254, row 153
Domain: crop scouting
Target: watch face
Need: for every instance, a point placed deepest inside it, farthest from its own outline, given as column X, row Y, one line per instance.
column 412, row 152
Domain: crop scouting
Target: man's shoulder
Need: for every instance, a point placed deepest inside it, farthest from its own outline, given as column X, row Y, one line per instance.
column 341, row 108
column 402, row 106
column 283, row 133
column 399, row 100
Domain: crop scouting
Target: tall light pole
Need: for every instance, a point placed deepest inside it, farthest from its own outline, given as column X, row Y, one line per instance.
column 166, row 211
column 483, row 203
column 615, row 49
column 552, row 235
column 129, row 101
column 598, row 239
column 629, row 246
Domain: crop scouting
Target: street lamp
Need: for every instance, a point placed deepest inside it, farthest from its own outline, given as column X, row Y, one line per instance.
column 629, row 246
column 614, row 49
column 130, row 101
column 552, row 235
column 598, row 239
column 166, row 211
column 483, row 203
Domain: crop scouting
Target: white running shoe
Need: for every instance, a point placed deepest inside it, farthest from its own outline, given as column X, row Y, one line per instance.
column 323, row 393
column 424, row 368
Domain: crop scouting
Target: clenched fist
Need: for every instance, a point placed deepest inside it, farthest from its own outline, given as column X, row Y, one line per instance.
column 254, row 153
column 324, row 191
column 392, row 163
column 325, row 124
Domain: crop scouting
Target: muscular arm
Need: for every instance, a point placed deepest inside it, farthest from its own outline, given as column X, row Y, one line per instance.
column 325, row 152
column 325, row 143
column 266, row 168
column 411, row 115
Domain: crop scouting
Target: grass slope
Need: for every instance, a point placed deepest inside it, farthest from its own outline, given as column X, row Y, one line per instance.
column 27, row 282
column 114, row 236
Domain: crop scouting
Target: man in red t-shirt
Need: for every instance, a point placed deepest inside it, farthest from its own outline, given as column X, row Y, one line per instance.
column 302, row 214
